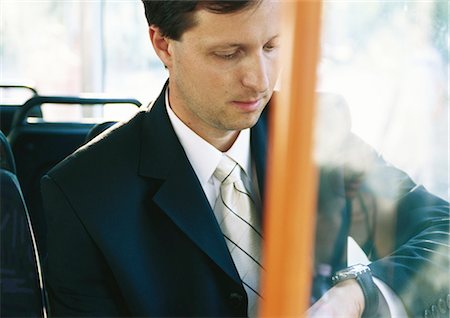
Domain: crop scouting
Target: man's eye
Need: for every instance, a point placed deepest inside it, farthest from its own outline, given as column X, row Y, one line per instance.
column 269, row 47
column 227, row 55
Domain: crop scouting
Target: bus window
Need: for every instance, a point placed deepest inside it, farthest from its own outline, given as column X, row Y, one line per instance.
column 78, row 47
column 389, row 61
column 382, row 148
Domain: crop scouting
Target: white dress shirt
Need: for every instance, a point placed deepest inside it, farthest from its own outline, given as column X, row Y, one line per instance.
column 204, row 157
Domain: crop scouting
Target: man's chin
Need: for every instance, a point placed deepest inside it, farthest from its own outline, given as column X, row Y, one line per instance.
column 249, row 123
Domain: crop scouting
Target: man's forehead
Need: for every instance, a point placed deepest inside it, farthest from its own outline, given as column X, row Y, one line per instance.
column 261, row 20
column 224, row 7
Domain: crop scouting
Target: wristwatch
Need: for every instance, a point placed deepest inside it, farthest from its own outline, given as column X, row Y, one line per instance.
column 363, row 276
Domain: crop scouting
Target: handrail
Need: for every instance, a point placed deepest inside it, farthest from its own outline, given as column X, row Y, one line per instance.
column 28, row 87
column 291, row 187
column 20, row 115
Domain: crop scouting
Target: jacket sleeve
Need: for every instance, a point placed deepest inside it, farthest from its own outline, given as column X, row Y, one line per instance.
column 76, row 272
column 417, row 265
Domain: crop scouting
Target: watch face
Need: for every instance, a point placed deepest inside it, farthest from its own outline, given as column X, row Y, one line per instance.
column 350, row 272
column 357, row 269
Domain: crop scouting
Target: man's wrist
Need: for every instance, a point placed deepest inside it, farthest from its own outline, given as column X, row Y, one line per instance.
column 351, row 287
column 363, row 277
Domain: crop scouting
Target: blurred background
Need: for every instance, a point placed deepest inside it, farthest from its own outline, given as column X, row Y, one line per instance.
column 388, row 60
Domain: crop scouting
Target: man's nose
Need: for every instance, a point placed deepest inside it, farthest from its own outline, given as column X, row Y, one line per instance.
column 255, row 74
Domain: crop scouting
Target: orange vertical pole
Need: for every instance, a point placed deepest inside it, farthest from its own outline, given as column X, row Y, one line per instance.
column 291, row 180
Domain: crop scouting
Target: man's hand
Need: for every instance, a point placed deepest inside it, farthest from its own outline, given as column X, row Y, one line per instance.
column 346, row 299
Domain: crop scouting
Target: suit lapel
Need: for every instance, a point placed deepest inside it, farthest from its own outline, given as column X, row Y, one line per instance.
column 258, row 140
column 180, row 196
column 184, row 202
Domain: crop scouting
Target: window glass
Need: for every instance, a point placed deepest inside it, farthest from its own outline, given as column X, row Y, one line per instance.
column 131, row 65
column 382, row 133
column 40, row 45
column 388, row 60
column 76, row 47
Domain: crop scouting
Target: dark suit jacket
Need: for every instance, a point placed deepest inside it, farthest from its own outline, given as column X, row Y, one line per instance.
column 130, row 231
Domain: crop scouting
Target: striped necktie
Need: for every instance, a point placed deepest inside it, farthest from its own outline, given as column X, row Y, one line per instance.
column 240, row 225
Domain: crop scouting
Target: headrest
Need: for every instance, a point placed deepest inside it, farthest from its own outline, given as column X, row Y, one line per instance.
column 6, row 155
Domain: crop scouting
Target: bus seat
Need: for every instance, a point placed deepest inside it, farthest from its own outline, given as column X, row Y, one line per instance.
column 98, row 129
column 38, row 145
column 6, row 156
column 22, row 291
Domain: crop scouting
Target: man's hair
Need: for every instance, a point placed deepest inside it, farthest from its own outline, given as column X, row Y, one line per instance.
column 174, row 17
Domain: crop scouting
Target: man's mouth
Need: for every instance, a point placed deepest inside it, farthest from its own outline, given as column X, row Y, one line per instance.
column 248, row 105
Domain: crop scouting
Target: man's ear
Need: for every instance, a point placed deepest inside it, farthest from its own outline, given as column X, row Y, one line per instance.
column 160, row 45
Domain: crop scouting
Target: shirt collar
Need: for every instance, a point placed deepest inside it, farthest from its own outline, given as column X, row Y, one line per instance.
column 203, row 156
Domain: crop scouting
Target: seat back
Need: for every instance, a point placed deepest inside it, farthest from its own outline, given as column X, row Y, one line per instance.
column 98, row 129
column 38, row 146
column 22, row 291
column 6, row 156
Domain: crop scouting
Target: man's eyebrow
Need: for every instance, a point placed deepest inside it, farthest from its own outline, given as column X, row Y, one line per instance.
column 227, row 46
column 231, row 45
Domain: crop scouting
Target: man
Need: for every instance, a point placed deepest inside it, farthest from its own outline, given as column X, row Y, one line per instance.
column 137, row 218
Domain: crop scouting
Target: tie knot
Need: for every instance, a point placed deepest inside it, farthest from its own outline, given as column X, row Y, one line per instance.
column 227, row 170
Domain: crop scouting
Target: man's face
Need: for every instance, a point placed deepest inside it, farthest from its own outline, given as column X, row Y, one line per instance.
column 223, row 70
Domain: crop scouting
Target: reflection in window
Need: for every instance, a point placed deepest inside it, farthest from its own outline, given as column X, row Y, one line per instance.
column 383, row 116
column 389, row 60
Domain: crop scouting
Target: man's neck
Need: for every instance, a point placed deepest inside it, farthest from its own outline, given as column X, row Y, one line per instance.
column 222, row 143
